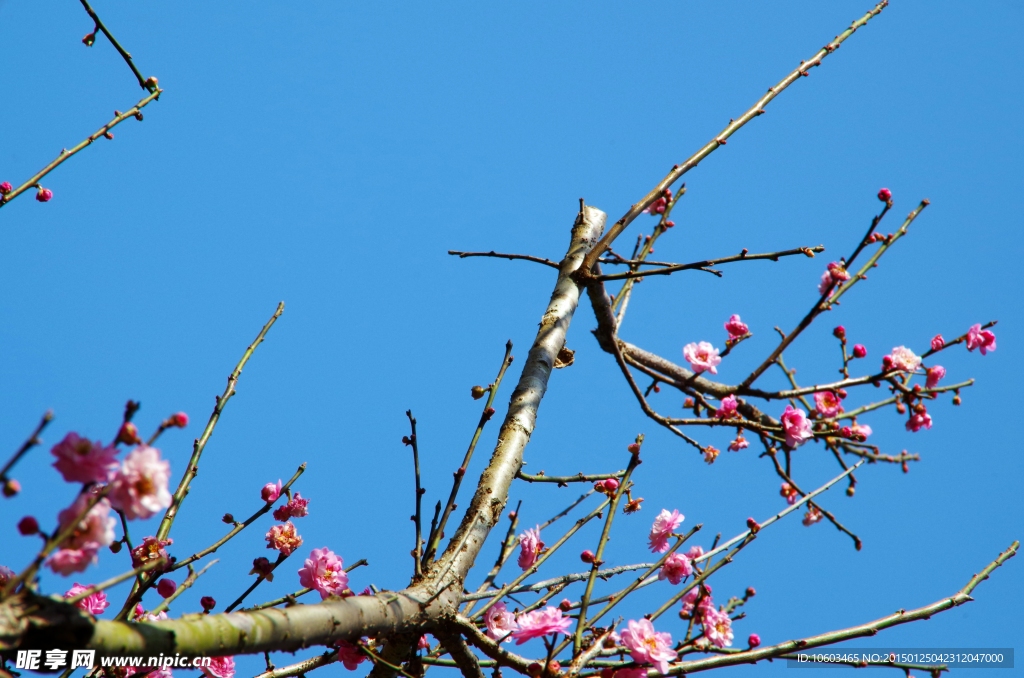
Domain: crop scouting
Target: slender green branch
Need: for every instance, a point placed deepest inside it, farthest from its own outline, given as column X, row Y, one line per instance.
column 120, row 50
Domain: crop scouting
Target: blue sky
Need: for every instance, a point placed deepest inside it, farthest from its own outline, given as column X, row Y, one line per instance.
column 329, row 154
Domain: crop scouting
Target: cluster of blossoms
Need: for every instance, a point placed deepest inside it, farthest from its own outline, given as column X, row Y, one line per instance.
column 659, row 205
column 284, row 538
column 717, row 625
column 664, row 525
column 678, row 566
column 836, row 273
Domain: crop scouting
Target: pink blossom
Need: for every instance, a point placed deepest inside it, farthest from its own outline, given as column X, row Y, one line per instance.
column 694, row 553
column 827, row 404
column 735, row 327
column 789, row 492
column 349, row 654
column 903, row 359
column 295, row 508
column 6, row 188
column 80, row 460
column 6, row 574
column 727, row 409
column 93, row 604
column 796, row 426
column 938, row 342
column 979, row 338
column 710, row 454
column 150, row 549
column 664, row 525
column 934, row 374
column 67, row 561
column 140, row 488
column 812, row 516
column 284, row 538
column 754, row 640
column 93, row 532
column 540, row 623
column 500, row 623
column 718, row 627
column 530, row 547
column 702, row 356
column 220, row 667
column 325, row 572
column 423, row 643
column 659, row 205
column 739, row 444
column 271, row 492
column 675, row 568
column 835, row 273
column 919, row 421
column 690, row 598
column 861, row 430
column 646, row 646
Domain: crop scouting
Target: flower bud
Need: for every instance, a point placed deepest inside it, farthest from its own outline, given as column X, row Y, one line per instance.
column 887, row 363
column 753, row 525
column 11, row 487
column 115, row 547
column 44, row 194
column 488, row 413
column 565, row 605
column 587, row 556
column 477, row 392
column 610, row 485
column 151, row 83
column 751, row 592
column 669, row 224
column 28, row 526
column 885, row 195
column 842, row 393
column 937, row 341
column 554, row 668
column 859, row 351
column 754, row 640
column 166, row 588
column 228, row 518
column 89, row 39
column 607, row 672
column 128, row 434
column 208, row 603
column 533, row 670
column 839, row 332
column 179, row 419
column 634, row 448
column 6, row 188
column 956, row 400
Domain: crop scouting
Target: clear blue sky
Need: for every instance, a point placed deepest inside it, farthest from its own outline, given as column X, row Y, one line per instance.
column 328, row 154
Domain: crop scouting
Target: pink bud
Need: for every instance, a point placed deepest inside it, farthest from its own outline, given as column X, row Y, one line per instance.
column 11, row 487
column 634, row 448
column 841, row 393
column 166, row 588
column 488, row 413
column 610, row 485
column 859, row 351
column 753, row 525
column 885, row 195
column 937, row 342
column 44, row 195
column 839, row 332
column 565, row 605
column 208, row 603
column 6, row 188
column 887, row 363
column 128, row 434
column 28, row 525
column 271, row 491
column 754, row 640
column 179, row 419
column 533, row 670
column 587, row 556
column 669, row 224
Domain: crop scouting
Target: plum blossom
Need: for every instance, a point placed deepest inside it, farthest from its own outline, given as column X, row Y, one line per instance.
column 918, row 421
column 325, row 572
column 284, row 538
column 271, row 491
column 295, row 508
column 812, row 516
column 979, row 338
column 93, row 532
column 735, row 327
column 727, row 410
column 263, row 568
column 659, row 205
column 789, row 492
column 220, row 667
column 530, row 547
column 694, row 553
column 540, row 623
column 80, row 460
column 150, row 549
column 349, row 654
column 834, row 274
column 827, row 403
column 691, row 597
column 739, row 444
column 635, row 672
column 861, row 430
column 934, row 375
column 139, row 488
column 646, row 646
column 664, row 525
column 702, row 357
column 903, row 359
column 718, row 627
column 675, row 568
column 710, row 454
column 500, row 623
column 937, row 342
column 796, row 426
column 93, row 604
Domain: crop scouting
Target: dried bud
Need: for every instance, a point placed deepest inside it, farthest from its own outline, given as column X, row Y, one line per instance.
column 859, row 351
column 6, row 188
column 956, row 400
column 228, row 518
column 839, row 332
column 151, row 83
column 688, row 403
column 11, row 487
column 488, row 413
column 128, row 434
column 208, row 603
column 753, row 525
column 750, row 592
column 657, row 389
column 89, row 39
column 901, row 408
column 28, row 526
column 477, row 392
column 885, row 195
column 554, row 668
column 44, row 194
column 115, row 547
column 850, row 491
column 587, row 556
column 406, row 440
column 262, row 567
column 166, row 588
column 633, row 505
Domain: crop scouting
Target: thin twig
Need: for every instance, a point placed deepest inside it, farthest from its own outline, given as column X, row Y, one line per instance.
column 113, row 41
column 32, row 441
column 417, row 552
column 703, row 265
column 492, row 253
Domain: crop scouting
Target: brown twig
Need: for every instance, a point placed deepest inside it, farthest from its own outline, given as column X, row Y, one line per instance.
column 497, row 255
column 703, row 265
